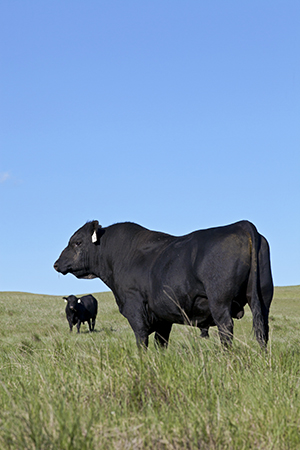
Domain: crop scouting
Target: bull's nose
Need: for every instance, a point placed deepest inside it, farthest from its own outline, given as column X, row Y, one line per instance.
column 55, row 265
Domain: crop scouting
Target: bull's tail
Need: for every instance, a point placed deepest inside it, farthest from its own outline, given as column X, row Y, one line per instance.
column 254, row 295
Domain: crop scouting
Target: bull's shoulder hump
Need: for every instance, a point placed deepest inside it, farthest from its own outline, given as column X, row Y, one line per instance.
column 129, row 227
column 134, row 240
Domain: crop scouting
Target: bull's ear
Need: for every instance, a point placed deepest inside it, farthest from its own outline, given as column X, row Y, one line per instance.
column 65, row 299
column 95, row 227
column 79, row 301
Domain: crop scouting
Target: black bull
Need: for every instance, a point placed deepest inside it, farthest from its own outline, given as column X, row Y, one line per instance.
column 204, row 278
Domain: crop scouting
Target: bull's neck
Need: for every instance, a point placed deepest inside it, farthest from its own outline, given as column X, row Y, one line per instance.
column 115, row 246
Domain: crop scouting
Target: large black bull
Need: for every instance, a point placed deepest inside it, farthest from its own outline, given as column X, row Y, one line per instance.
column 204, row 278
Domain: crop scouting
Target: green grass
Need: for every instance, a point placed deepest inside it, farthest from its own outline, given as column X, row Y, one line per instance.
column 97, row 391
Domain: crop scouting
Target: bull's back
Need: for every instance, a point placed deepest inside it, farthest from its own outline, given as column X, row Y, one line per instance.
column 200, row 265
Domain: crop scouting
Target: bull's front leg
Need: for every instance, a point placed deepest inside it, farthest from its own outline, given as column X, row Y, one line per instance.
column 162, row 333
column 135, row 311
column 141, row 341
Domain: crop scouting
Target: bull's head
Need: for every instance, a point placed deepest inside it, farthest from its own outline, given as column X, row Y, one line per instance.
column 77, row 258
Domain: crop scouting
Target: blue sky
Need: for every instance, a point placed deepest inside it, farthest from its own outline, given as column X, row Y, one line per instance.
column 178, row 115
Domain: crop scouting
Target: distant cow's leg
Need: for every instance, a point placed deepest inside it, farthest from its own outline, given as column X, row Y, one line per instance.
column 78, row 326
column 90, row 328
column 93, row 323
column 162, row 334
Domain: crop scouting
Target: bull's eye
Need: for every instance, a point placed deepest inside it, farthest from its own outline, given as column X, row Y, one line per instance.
column 77, row 244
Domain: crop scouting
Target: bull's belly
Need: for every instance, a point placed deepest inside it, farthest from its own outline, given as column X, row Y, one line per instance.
column 192, row 311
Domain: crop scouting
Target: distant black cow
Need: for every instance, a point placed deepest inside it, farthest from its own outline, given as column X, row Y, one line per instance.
column 204, row 278
column 80, row 310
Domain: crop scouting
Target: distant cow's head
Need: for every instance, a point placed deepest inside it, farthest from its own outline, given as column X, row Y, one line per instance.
column 78, row 257
column 71, row 310
column 72, row 302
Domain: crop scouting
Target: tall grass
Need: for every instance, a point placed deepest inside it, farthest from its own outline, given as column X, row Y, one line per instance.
column 97, row 391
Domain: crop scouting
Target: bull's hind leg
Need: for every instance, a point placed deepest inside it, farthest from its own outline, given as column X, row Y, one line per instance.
column 226, row 333
column 162, row 333
column 222, row 317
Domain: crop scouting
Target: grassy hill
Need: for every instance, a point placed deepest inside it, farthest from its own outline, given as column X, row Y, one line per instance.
column 97, row 391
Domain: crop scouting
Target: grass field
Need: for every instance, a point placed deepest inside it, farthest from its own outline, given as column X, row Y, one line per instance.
column 97, row 391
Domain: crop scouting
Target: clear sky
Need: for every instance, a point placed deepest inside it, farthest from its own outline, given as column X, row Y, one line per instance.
column 177, row 115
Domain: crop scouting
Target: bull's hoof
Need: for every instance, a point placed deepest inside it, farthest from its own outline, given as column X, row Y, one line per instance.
column 204, row 333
